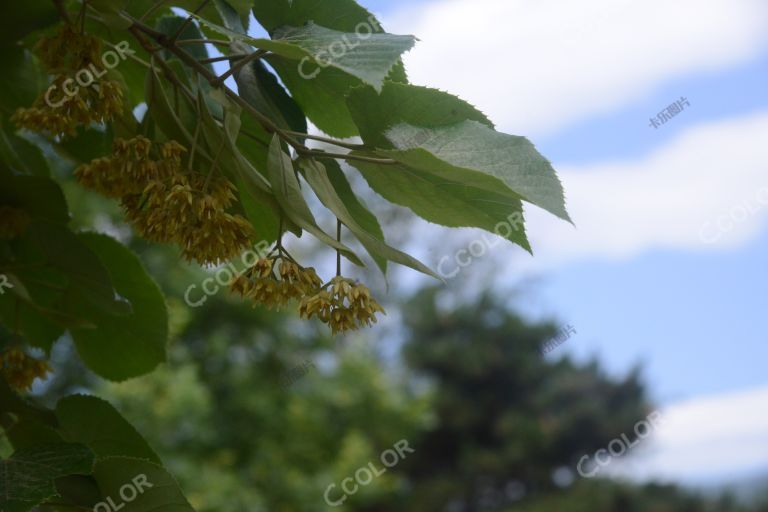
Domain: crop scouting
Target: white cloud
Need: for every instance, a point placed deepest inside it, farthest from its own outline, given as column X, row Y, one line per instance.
column 705, row 438
column 536, row 66
column 706, row 189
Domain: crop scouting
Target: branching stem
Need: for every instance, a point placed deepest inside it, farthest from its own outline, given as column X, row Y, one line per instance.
column 188, row 20
column 139, row 29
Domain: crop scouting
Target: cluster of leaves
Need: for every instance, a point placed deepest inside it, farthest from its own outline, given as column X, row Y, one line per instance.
column 214, row 170
column 77, row 456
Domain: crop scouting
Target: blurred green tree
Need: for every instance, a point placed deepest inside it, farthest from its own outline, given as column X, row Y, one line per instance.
column 510, row 422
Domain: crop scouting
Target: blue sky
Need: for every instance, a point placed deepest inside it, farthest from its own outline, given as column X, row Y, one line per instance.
column 695, row 318
column 635, row 278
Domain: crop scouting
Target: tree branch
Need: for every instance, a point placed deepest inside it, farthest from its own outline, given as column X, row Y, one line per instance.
column 202, row 41
column 236, row 67
column 219, row 59
column 341, row 144
column 139, row 28
column 189, row 20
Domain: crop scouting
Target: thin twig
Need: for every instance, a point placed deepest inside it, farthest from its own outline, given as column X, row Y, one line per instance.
column 189, row 20
column 202, row 41
column 167, row 71
column 194, row 146
column 346, row 156
column 190, row 61
column 82, row 16
column 236, row 67
column 341, row 144
column 152, row 9
column 62, row 10
column 338, row 252
column 219, row 59
column 280, row 233
column 269, row 125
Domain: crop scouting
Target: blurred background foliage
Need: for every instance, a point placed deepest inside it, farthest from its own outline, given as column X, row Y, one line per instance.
column 495, row 425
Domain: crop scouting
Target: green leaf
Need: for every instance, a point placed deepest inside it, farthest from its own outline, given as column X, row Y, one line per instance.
column 129, row 68
column 51, row 284
column 461, row 139
column 232, row 19
column 253, row 143
column 259, row 87
column 24, row 18
column 170, row 25
column 26, row 478
column 109, row 10
column 364, row 217
column 212, row 10
column 399, row 103
column 261, row 216
column 89, row 144
column 470, row 148
column 39, row 196
column 343, row 15
column 32, row 308
column 320, row 88
column 22, row 78
column 29, row 432
column 33, row 304
column 87, row 273
column 288, row 193
column 227, row 10
column 78, row 491
column 20, row 154
column 40, row 326
column 24, row 409
column 156, row 490
column 369, row 57
column 323, row 98
column 95, row 423
column 171, row 109
column 258, row 202
column 453, row 201
column 317, row 177
column 132, row 345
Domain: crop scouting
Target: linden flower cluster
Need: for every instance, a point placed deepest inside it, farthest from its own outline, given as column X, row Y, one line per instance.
column 276, row 281
column 342, row 304
column 64, row 54
column 13, row 222
column 20, row 370
column 168, row 203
